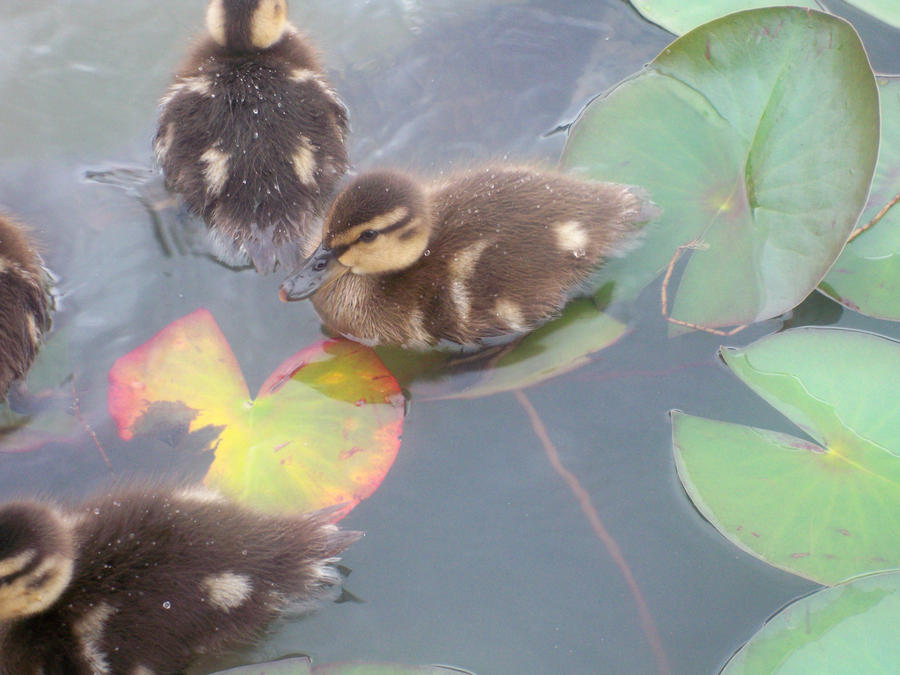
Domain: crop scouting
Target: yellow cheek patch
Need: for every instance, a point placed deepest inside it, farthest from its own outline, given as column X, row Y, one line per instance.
column 215, row 21
column 36, row 591
column 17, row 562
column 268, row 23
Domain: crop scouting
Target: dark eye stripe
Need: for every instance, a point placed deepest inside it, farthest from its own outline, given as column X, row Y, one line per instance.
column 338, row 251
column 400, row 223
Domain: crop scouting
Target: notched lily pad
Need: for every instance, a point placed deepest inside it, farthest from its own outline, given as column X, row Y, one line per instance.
column 823, row 508
column 866, row 277
column 724, row 129
column 323, row 430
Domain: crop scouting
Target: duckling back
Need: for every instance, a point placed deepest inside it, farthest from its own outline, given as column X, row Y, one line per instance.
column 25, row 303
column 161, row 575
column 507, row 249
column 251, row 135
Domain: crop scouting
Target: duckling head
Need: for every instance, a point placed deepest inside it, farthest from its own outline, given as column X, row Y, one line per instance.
column 246, row 25
column 36, row 558
column 378, row 224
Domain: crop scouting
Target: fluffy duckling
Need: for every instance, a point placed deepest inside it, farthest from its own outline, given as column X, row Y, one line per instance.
column 251, row 135
column 479, row 255
column 25, row 302
column 142, row 579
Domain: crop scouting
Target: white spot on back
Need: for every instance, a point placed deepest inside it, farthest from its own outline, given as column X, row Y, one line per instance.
column 511, row 314
column 461, row 268
column 305, row 163
column 197, row 85
column 142, row 670
column 33, row 331
column 199, row 494
column 227, row 590
column 216, row 171
column 571, row 236
column 304, row 75
column 90, row 631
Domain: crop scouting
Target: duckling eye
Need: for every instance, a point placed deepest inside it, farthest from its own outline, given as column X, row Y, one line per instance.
column 368, row 235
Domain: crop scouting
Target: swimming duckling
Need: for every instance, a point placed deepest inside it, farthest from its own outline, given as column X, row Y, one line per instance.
column 251, row 135
column 478, row 255
column 25, row 302
column 142, row 579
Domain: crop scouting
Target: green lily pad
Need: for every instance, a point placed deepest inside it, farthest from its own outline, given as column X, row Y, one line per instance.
column 825, row 510
column 323, row 430
column 303, row 666
column 725, row 129
column 848, row 629
column 866, row 277
column 554, row 349
column 678, row 16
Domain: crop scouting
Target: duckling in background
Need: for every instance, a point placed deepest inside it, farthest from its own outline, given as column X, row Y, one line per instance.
column 142, row 579
column 251, row 135
column 483, row 254
column 25, row 302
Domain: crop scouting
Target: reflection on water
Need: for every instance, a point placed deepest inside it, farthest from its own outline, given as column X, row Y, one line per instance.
column 477, row 554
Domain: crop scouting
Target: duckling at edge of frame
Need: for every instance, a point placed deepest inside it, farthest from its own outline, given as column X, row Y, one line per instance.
column 25, row 302
column 143, row 579
column 482, row 254
column 252, row 136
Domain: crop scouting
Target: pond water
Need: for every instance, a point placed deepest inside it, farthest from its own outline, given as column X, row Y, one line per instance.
column 477, row 554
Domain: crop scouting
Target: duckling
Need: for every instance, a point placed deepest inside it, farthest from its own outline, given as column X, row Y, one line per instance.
column 25, row 302
column 483, row 254
column 251, row 135
column 142, row 579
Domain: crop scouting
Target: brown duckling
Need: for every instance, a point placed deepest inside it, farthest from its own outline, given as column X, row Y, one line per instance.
column 142, row 579
column 25, row 302
column 482, row 254
column 251, row 135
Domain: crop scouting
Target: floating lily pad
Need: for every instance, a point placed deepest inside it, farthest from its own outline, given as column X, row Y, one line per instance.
column 303, row 666
column 678, row 16
column 323, row 430
column 725, row 129
column 866, row 277
column 850, row 629
column 825, row 510
column 552, row 350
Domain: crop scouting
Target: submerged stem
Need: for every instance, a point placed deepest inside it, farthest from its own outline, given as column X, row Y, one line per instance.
column 584, row 499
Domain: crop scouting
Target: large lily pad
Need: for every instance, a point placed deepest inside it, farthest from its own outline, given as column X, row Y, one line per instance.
column 725, row 129
column 678, row 16
column 849, row 629
column 825, row 510
column 323, row 430
column 866, row 277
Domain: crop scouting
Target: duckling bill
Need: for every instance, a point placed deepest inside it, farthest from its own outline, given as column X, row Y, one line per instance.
column 143, row 579
column 251, row 135
column 25, row 302
column 482, row 254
